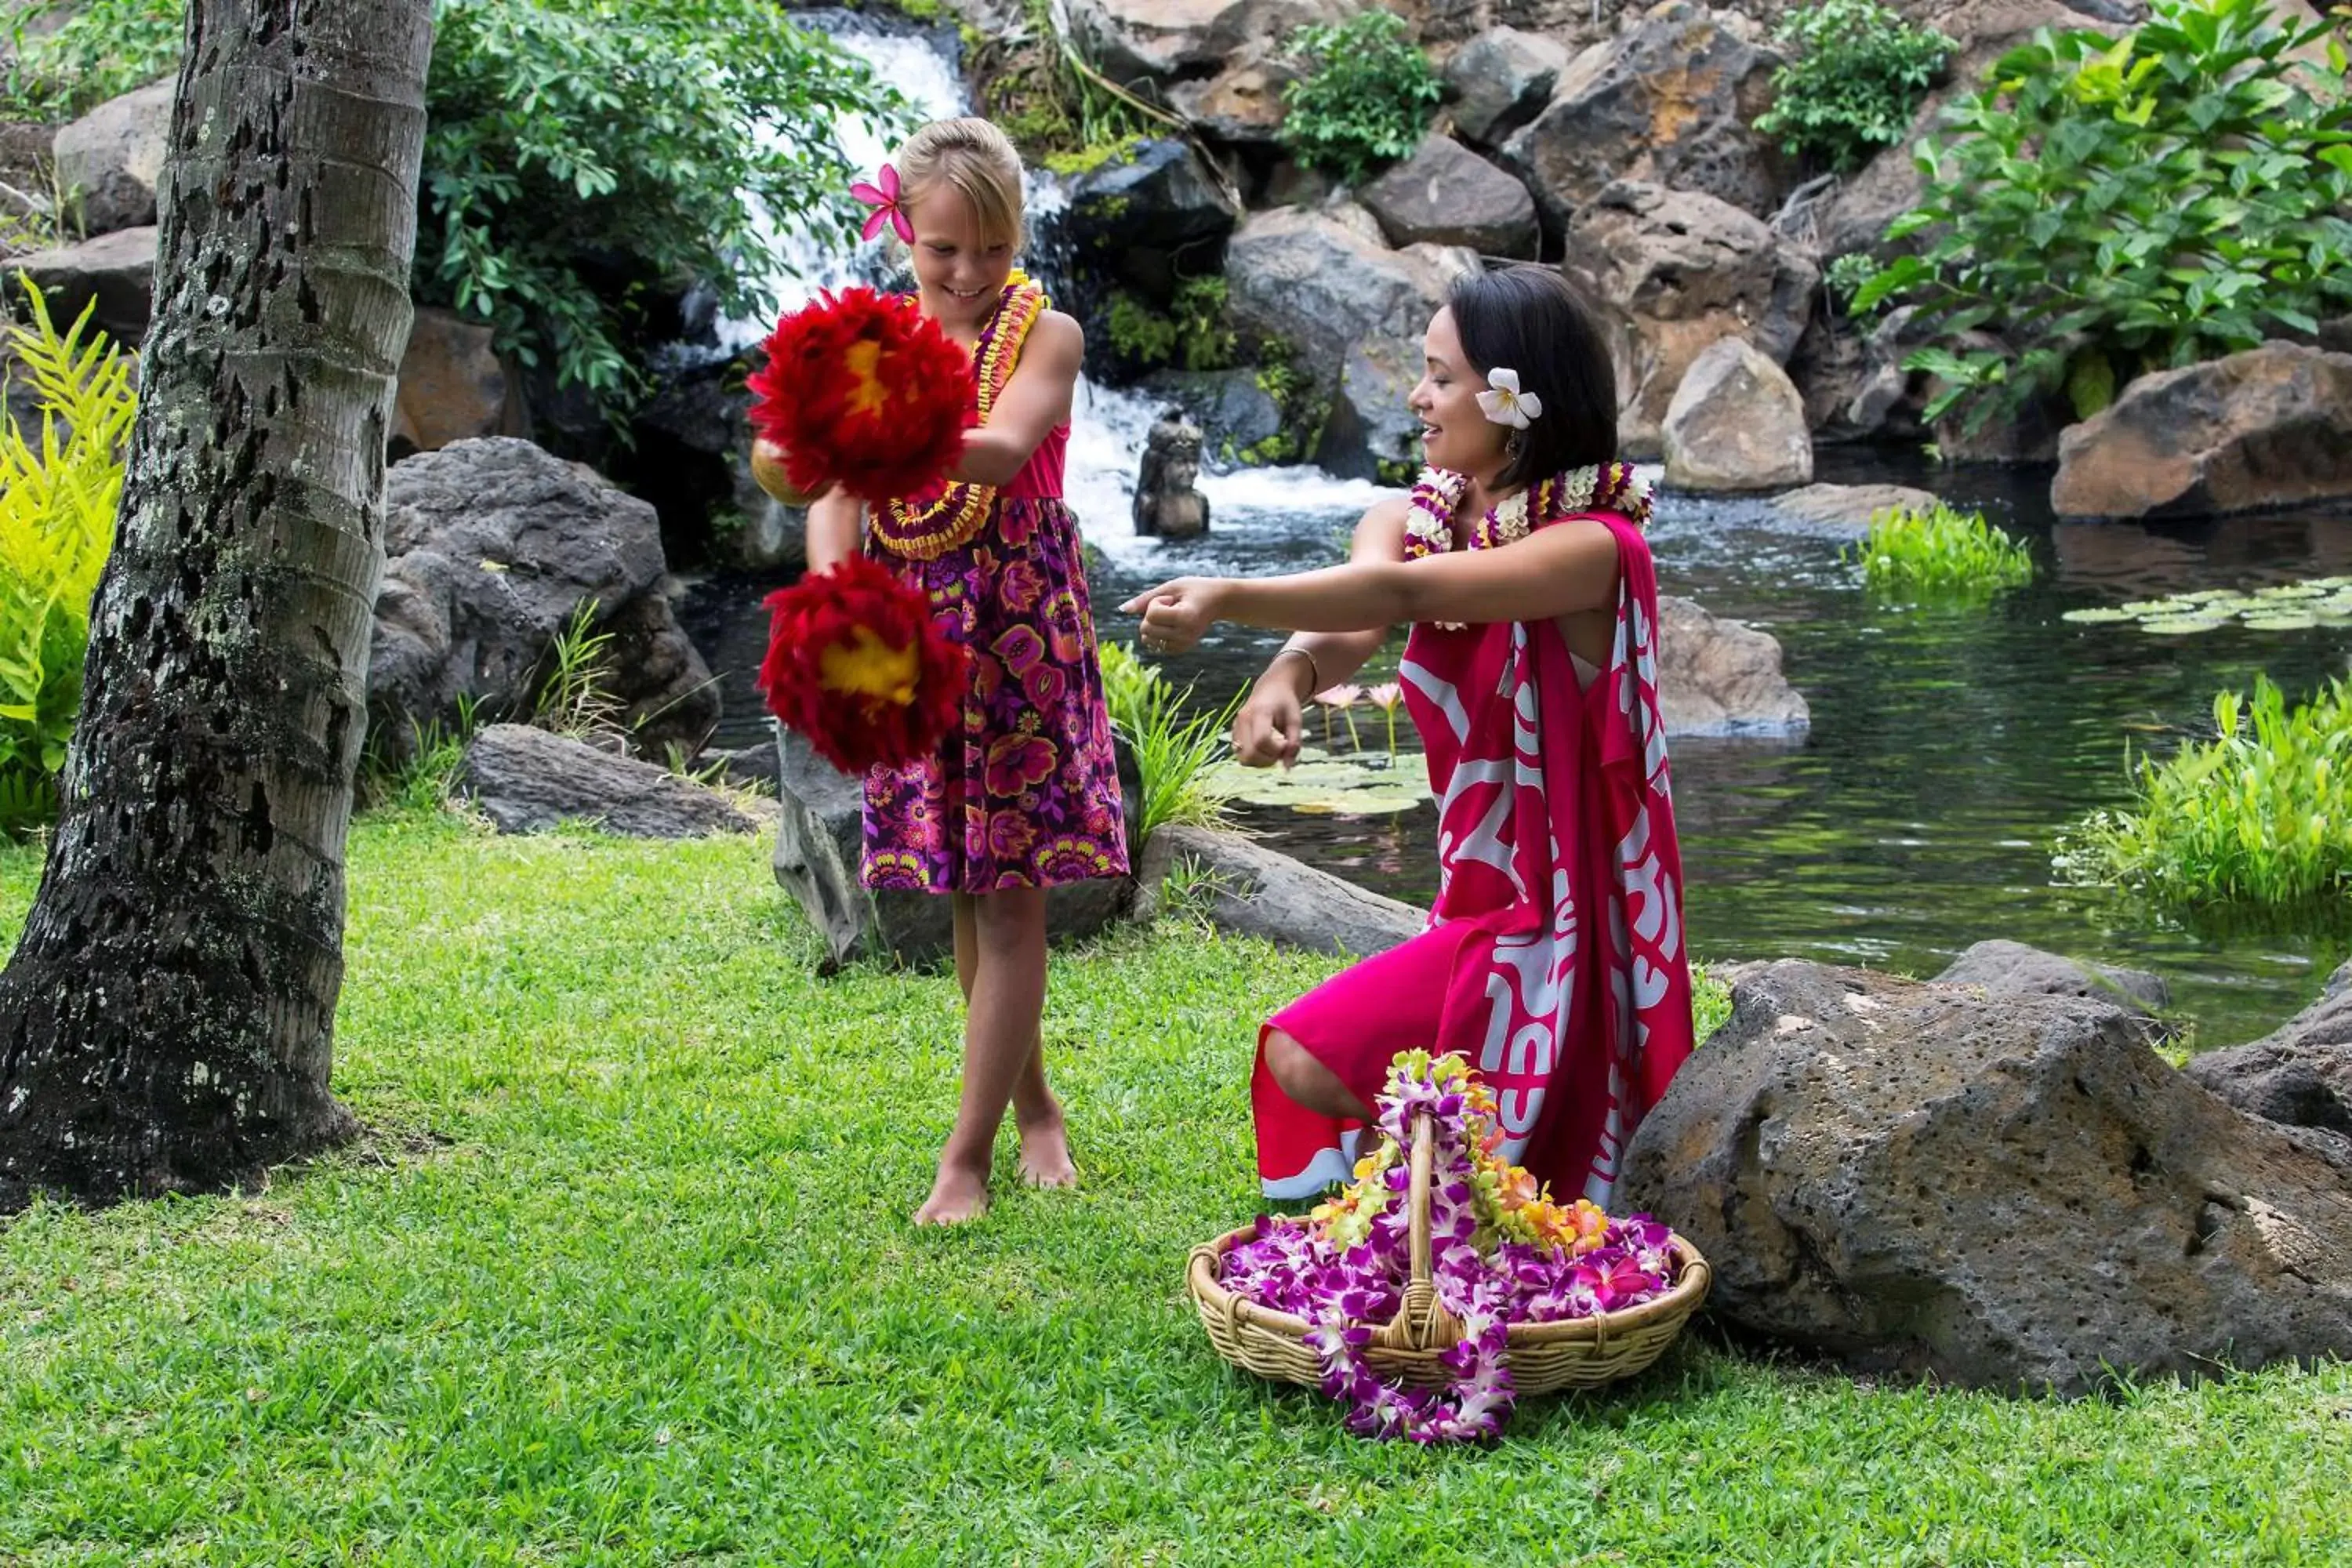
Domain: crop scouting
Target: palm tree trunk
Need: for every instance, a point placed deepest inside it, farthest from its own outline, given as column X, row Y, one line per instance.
column 167, row 1021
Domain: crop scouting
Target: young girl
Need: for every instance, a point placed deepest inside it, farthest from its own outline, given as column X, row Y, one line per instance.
column 1027, row 796
column 1554, row 958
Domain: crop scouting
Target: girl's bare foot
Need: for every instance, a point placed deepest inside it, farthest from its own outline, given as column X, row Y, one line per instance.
column 1045, row 1152
column 959, row 1196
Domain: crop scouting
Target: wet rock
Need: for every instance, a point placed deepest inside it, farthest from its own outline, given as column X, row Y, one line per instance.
column 2011, row 1191
column 1500, row 79
column 110, row 161
column 1851, row 506
column 528, row 781
column 1736, row 424
column 1681, row 271
column 2014, row 968
column 2299, row 1076
column 1668, row 100
column 2268, row 428
column 116, row 269
column 1214, row 61
column 1251, row 890
column 490, row 547
column 820, row 836
column 1149, row 215
column 1446, row 195
column 1233, row 410
column 453, row 385
column 1718, row 677
column 1168, row 500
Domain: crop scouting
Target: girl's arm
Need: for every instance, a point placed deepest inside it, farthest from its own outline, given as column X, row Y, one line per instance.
column 1555, row 571
column 1034, row 401
column 835, row 520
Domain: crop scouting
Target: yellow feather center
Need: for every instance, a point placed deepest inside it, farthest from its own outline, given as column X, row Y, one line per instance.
column 867, row 666
column 867, row 392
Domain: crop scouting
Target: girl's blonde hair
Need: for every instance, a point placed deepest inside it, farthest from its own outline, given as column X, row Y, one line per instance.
column 973, row 158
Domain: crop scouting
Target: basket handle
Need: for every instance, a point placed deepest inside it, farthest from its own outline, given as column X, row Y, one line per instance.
column 1420, row 1323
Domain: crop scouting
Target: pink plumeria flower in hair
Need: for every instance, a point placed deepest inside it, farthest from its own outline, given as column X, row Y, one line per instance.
column 1505, row 404
column 883, row 199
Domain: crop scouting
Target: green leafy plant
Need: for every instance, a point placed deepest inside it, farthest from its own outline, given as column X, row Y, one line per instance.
column 1940, row 550
column 1177, row 747
column 575, row 697
column 2260, row 814
column 102, row 49
column 1362, row 97
column 2107, row 208
column 59, row 485
column 1855, row 75
column 422, row 778
column 585, row 156
column 1053, row 105
column 1191, row 332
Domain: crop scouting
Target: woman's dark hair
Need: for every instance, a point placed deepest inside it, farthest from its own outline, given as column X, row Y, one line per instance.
column 1532, row 320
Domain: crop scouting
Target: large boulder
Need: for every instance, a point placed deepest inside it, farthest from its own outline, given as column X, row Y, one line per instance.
column 116, row 269
column 453, row 386
column 1352, row 312
column 1670, row 100
column 1214, row 61
column 110, row 161
column 1252, row 891
column 1150, row 214
column 1446, row 195
column 820, row 836
column 1233, row 408
column 2300, row 1075
column 2268, row 428
column 1717, row 676
column 1680, row 272
column 2010, row 1191
column 1500, row 79
column 491, row 548
column 2012, row 968
column 1736, row 423
column 528, row 781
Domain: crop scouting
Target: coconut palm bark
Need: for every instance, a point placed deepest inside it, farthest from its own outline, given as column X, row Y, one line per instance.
column 166, row 1022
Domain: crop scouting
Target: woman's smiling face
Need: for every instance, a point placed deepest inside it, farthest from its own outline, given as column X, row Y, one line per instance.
column 1454, row 431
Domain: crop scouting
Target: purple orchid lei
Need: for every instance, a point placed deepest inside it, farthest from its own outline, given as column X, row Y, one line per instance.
column 1345, row 1270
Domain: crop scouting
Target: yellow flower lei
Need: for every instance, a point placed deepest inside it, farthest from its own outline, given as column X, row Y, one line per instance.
column 923, row 533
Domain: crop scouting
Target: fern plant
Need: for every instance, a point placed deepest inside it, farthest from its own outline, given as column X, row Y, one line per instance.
column 58, row 489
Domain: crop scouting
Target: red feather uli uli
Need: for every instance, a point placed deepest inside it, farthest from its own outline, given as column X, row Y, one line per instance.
column 856, row 665
column 864, row 390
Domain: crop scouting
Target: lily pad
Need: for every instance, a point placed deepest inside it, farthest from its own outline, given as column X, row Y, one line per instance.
column 2097, row 617
column 2182, row 625
column 1323, row 784
column 2281, row 621
column 2279, row 607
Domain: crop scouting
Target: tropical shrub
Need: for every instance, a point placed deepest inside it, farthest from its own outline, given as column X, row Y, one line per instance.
column 102, row 49
column 2111, row 207
column 1362, row 97
column 1940, row 550
column 2260, row 814
column 59, row 485
column 1176, row 748
column 585, row 160
column 1855, row 75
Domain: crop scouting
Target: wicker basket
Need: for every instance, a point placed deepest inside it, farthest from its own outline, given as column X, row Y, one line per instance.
column 1579, row 1353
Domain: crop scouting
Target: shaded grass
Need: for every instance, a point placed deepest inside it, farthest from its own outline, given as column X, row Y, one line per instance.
column 624, row 1277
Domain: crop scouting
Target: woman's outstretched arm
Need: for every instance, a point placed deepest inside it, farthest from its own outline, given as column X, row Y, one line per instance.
column 1555, row 571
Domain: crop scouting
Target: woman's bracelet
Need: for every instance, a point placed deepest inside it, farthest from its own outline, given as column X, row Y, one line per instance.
column 1313, row 671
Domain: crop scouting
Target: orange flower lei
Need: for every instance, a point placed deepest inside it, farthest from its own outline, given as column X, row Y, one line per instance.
column 924, row 530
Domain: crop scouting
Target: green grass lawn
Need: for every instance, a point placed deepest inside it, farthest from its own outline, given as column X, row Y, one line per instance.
column 625, row 1276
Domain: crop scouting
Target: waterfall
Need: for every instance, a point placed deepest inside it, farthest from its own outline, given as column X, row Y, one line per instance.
column 1107, row 424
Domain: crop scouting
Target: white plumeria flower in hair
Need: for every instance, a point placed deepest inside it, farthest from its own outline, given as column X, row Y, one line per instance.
column 1505, row 404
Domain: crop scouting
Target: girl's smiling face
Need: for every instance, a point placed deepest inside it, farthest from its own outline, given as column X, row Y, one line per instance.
column 1454, row 431
column 959, row 268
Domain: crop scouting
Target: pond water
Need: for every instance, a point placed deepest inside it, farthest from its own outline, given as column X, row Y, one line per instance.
column 1948, row 747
